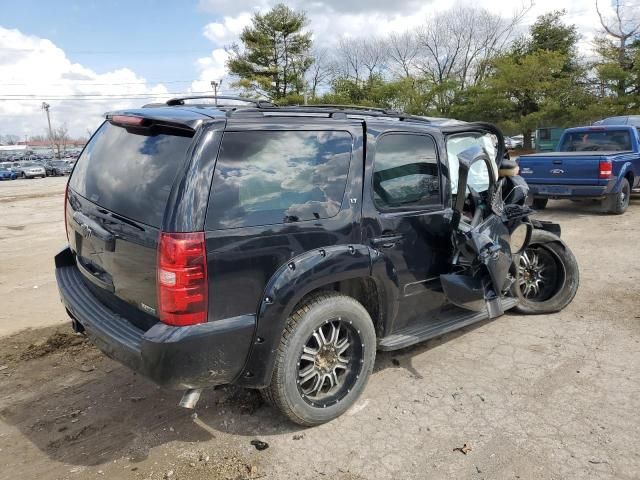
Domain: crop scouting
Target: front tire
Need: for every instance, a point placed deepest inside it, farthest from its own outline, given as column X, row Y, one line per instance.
column 547, row 275
column 324, row 361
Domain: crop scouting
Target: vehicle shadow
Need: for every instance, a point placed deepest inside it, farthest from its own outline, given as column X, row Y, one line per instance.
column 92, row 418
column 566, row 208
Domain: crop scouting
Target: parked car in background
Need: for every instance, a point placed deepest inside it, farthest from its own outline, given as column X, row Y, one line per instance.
column 58, row 167
column 6, row 174
column 508, row 143
column 599, row 162
column 633, row 120
column 546, row 138
column 30, row 170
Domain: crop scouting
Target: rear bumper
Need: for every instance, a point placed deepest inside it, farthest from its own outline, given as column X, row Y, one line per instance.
column 568, row 191
column 196, row 356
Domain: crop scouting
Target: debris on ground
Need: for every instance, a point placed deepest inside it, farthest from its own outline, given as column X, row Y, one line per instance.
column 298, row 436
column 87, row 368
column 259, row 444
column 55, row 342
column 463, row 449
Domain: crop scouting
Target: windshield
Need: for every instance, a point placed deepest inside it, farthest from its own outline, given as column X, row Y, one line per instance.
column 594, row 141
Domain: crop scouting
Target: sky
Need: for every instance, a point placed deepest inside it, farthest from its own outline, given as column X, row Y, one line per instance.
column 87, row 58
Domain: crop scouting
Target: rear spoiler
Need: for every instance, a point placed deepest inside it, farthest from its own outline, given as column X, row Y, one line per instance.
column 143, row 124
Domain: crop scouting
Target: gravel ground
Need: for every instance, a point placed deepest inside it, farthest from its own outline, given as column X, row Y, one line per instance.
column 553, row 396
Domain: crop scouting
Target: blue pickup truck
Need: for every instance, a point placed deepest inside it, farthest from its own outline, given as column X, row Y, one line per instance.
column 600, row 162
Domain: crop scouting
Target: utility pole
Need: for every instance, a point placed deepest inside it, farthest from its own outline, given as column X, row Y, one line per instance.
column 45, row 107
column 215, row 86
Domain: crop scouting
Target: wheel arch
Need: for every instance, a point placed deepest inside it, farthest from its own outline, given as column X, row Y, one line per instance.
column 343, row 268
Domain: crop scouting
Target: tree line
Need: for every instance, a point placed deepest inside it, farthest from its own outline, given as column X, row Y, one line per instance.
column 465, row 63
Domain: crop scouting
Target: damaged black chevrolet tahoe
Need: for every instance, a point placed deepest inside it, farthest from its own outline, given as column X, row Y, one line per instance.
column 278, row 248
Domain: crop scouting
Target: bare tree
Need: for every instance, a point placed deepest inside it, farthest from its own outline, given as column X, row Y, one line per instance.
column 348, row 60
column 10, row 139
column 624, row 26
column 402, row 51
column 454, row 46
column 321, row 71
column 374, row 55
column 60, row 139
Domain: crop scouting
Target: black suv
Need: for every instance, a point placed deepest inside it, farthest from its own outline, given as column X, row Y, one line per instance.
column 278, row 248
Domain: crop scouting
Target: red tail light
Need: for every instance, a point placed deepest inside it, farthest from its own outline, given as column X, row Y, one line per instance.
column 605, row 169
column 127, row 120
column 182, row 278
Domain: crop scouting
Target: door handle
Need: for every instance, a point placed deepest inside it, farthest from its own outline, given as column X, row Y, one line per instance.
column 386, row 241
column 557, row 162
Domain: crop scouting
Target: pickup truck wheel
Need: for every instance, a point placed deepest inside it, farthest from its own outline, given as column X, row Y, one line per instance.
column 619, row 202
column 547, row 275
column 325, row 357
column 540, row 203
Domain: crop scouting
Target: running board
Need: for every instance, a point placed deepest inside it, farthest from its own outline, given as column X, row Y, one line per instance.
column 424, row 331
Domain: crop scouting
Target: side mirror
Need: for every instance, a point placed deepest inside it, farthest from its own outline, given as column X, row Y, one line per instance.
column 466, row 159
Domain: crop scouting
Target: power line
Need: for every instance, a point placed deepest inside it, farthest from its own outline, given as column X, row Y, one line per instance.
column 71, row 82
column 58, row 96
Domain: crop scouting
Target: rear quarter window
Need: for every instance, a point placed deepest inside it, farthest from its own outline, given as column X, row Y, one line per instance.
column 130, row 173
column 273, row 177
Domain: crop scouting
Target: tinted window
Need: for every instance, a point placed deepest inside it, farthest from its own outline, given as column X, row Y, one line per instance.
column 270, row 177
column 128, row 173
column 405, row 172
column 544, row 134
column 593, row 141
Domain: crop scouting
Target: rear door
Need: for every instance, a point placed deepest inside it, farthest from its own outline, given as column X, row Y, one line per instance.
column 117, row 197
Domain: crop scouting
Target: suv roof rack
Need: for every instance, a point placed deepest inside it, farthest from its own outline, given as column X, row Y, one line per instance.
column 256, row 102
column 334, row 111
column 267, row 107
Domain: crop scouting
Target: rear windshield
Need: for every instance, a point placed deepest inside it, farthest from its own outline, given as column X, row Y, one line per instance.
column 594, row 141
column 130, row 174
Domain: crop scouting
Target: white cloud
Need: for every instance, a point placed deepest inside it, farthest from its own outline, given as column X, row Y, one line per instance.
column 31, row 65
column 329, row 20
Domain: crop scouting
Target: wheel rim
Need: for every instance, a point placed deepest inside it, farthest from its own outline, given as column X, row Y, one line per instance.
column 539, row 274
column 624, row 196
column 330, row 363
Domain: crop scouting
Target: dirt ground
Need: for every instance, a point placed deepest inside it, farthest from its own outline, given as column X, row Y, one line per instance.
column 546, row 397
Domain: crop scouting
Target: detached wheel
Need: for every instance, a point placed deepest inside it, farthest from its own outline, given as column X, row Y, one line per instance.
column 547, row 275
column 325, row 358
column 619, row 202
column 540, row 203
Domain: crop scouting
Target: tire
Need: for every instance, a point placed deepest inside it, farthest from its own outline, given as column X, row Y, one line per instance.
column 559, row 262
column 540, row 203
column 618, row 203
column 300, row 400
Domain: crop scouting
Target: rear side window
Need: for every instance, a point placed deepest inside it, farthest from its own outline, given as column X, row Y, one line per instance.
column 406, row 172
column 128, row 173
column 271, row 177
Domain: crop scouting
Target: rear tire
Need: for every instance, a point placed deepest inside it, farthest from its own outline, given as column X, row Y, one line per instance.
column 618, row 203
column 330, row 337
column 540, row 203
column 547, row 275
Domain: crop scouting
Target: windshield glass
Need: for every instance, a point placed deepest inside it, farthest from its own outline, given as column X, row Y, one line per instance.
column 593, row 141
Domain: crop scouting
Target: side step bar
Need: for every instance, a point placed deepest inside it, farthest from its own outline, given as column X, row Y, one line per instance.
column 424, row 331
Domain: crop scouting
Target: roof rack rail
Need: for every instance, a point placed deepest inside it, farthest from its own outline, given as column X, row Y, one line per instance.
column 257, row 102
column 345, row 109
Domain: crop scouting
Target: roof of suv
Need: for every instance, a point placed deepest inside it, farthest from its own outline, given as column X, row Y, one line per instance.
column 177, row 110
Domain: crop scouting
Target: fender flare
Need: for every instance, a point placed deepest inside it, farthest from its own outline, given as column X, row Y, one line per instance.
column 284, row 290
column 628, row 166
